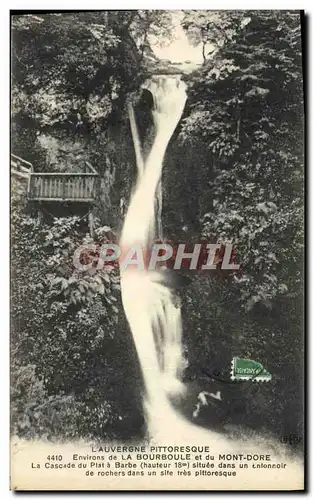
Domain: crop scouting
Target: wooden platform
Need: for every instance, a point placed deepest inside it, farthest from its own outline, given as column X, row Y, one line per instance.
column 57, row 186
column 62, row 187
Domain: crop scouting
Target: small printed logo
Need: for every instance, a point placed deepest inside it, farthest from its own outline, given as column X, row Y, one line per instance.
column 291, row 439
column 248, row 369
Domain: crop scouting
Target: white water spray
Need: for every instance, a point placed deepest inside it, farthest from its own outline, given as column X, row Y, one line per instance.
column 149, row 305
column 154, row 319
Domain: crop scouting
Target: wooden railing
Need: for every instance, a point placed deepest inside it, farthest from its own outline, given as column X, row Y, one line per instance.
column 62, row 187
column 57, row 186
column 20, row 167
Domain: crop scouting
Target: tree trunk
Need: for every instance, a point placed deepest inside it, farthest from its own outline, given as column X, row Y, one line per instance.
column 203, row 51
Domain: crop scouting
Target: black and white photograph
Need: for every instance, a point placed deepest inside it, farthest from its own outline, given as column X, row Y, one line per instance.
column 157, row 250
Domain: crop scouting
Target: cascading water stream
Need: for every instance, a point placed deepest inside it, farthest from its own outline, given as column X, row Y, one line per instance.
column 154, row 319
column 149, row 305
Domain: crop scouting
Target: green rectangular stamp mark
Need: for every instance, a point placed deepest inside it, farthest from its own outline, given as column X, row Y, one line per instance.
column 248, row 369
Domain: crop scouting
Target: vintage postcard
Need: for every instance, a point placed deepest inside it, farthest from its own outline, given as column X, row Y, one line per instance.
column 157, row 172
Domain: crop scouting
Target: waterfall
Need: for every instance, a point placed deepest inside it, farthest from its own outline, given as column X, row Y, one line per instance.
column 150, row 306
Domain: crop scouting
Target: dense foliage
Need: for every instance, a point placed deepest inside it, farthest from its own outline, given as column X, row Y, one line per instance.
column 245, row 116
column 66, row 331
column 233, row 173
